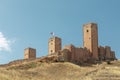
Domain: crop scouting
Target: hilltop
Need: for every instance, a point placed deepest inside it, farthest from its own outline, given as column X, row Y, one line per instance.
column 36, row 70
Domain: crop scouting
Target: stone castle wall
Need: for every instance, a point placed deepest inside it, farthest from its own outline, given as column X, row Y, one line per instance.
column 77, row 54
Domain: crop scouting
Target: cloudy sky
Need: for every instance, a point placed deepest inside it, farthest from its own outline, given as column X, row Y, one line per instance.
column 28, row 23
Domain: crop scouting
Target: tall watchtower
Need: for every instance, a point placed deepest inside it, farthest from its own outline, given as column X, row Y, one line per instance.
column 54, row 45
column 90, row 39
column 29, row 53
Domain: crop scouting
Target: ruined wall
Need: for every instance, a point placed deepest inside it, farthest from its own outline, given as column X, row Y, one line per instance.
column 108, row 52
column 86, row 54
column 66, row 54
column 113, row 55
column 81, row 54
column 78, row 55
column 71, row 48
column 101, row 52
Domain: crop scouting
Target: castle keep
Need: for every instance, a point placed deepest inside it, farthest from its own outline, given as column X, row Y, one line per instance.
column 90, row 39
column 89, row 52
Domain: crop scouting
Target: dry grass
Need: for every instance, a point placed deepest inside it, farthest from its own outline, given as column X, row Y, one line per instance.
column 106, row 72
column 44, row 71
column 59, row 71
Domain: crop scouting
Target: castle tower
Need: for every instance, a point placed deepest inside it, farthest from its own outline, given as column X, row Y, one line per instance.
column 29, row 53
column 90, row 39
column 108, row 52
column 54, row 45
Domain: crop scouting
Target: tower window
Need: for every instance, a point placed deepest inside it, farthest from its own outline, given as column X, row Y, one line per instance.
column 51, row 43
column 51, row 40
column 87, row 31
column 51, row 51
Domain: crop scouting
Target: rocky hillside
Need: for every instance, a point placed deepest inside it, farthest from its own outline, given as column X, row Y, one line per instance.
column 60, row 71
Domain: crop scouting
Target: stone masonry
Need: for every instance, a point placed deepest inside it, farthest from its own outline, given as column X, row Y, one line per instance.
column 54, row 45
column 90, row 39
column 29, row 53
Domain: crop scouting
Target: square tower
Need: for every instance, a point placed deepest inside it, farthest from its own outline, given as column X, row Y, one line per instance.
column 29, row 53
column 108, row 52
column 90, row 39
column 54, row 45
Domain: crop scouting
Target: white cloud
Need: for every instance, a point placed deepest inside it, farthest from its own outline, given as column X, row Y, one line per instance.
column 4, row 43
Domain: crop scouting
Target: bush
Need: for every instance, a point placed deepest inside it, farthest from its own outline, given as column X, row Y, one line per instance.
column 32, row 65
column 108, row 62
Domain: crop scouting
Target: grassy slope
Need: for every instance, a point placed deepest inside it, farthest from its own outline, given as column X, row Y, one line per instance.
column 58, row 71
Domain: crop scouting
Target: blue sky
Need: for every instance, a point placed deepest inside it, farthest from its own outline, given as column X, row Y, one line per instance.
column 28, row 23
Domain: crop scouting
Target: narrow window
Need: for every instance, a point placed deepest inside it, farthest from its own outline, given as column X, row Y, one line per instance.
column 51, row 51
column 51, row 43
column 87, row 31
column 51, row 40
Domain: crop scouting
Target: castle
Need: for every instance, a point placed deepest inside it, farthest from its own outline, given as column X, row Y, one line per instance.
column 90, row 51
